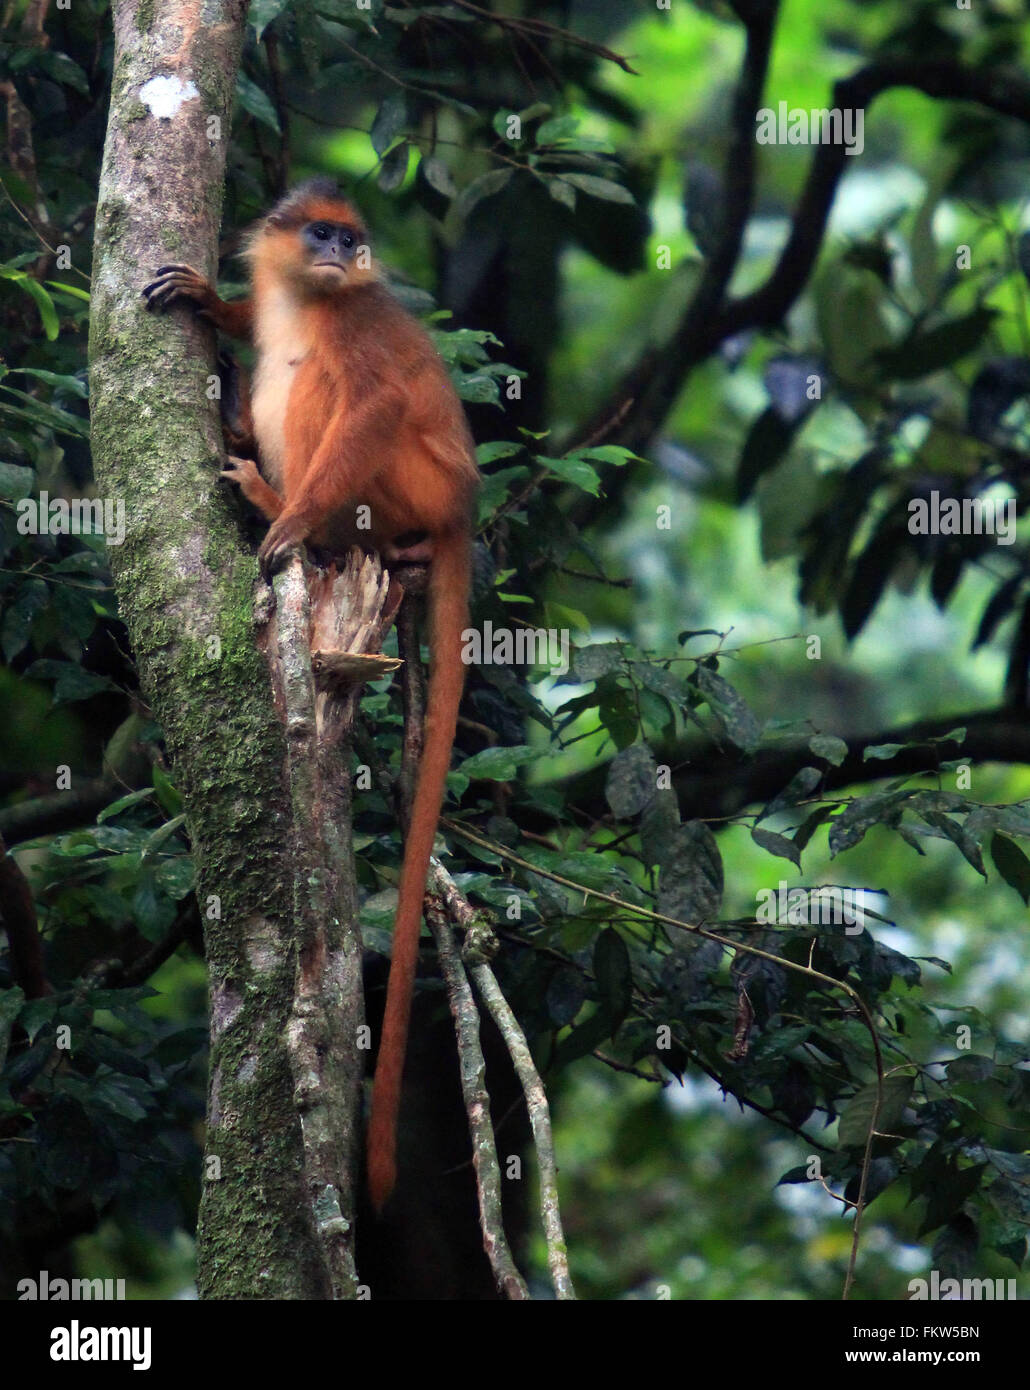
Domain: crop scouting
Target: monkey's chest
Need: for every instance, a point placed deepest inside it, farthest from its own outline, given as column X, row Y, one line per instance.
column 273, row 382
column 283, row 347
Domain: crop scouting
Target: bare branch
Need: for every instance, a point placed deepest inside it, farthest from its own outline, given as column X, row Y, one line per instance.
column 477, row 1104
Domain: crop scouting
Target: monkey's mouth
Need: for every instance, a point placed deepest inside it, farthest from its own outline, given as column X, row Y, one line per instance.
column 328, row 265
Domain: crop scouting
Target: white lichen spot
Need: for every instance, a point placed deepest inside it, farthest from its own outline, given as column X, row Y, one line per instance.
column 164, row 95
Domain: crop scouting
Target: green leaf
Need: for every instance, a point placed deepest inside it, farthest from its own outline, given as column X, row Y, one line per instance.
column 557, row 129
column 767, row 442
column 1012, row 864
column 176, row 877
column 608, row 453
column 857, row 1114
column 933, row 349
column 851, row 825
column 601, row 659
column 662, row 682
column 438, row 175
column 777, row 844
column 485, row 186
column 71, row 682
column 74, row 291
column 730, row 710
column 614, row 975
column 394, row 168
column 972, row 1067
column 153, row 913
column 691, row 875
column 45, row 305
column 630, row 786
column 32, row 599
column 391, row 120
column 499, row 122
column 16, row 482
column 803, row 781
column 953, row 1187
column 37, row 1013
column 256, row 102
column 37, row 412
column 123, row 803
column 575, row 471
column 498, row 487
column 561, row 192
column 827, row 746
column 808, row 827
column 62, row 380
column 583, row 1038
column 478, row 388
column 63, row 69
column 162, row 835
column 954, row 832
column 112, row 1095
column 167, row 793
column 498, row 449
column 773, row 1046
column 880, row 751
column 597, row 187
column 497, row 764
column 565, row 995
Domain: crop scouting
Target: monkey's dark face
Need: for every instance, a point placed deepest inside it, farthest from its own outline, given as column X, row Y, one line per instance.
column 331, row 246
column 319, row 246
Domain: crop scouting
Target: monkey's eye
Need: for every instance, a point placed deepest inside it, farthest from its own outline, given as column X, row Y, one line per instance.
column 348, row 240
column 320, row 231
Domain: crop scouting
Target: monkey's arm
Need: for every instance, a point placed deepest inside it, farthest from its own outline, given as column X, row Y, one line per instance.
column 183, row 282
column 353, row 449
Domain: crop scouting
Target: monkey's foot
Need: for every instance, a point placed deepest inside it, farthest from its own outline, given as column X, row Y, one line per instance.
column 285, row 535
column 243, row 472
column 411, row 548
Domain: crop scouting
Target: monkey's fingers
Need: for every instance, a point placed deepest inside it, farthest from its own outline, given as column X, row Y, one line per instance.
column 174, row 282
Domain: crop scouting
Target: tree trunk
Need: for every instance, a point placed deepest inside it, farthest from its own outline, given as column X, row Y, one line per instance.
column 268, row 814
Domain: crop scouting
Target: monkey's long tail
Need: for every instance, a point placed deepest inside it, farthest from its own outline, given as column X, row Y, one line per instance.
column 448, row 617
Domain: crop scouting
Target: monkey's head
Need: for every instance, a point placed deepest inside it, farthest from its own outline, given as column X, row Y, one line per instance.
column 316, row 240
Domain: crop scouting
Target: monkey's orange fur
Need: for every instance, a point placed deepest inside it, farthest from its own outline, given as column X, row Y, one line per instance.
column 353, row 409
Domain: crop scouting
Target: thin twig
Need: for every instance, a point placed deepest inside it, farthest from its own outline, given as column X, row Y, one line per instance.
column 477, row 1104
column 543, row 29
column 533, row 1089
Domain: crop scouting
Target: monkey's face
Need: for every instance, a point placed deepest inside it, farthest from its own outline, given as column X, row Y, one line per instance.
column 329, row 250
column 316, row 243
column 324, row 253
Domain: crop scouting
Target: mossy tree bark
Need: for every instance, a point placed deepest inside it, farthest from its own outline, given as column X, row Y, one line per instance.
column 189, row 592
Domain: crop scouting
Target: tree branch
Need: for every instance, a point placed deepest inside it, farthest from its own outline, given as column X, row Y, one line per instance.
column 47, row 815
column 1007, row 94
column 710, row 786
column 647, row 392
